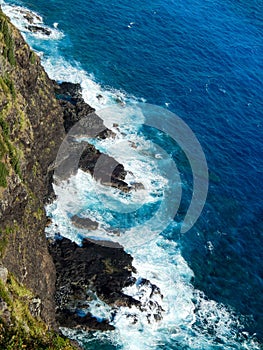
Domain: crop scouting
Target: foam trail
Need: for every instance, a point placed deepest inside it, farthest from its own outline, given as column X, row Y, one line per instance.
column 24, row 19
column 55, row 65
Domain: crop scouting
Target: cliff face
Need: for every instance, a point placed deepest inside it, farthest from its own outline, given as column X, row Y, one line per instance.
column 31, row 129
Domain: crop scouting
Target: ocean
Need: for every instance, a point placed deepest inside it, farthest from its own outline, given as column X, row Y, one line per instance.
column 202, row 61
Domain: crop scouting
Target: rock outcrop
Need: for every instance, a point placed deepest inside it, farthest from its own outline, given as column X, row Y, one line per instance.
column 81, row 121
column 83, row 271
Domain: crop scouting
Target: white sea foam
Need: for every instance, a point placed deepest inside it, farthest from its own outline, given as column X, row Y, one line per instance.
column 190, row 320
column 93, row 93
column 23, row 18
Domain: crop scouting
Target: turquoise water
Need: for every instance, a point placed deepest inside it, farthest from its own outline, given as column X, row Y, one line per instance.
column 203, row 61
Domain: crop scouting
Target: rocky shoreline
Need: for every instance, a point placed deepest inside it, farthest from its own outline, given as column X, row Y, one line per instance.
column 53, row 282
column 91, row 268
column 35, row 114
column 85, row 273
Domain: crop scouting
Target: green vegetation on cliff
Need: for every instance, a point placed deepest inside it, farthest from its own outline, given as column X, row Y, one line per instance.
column 6, row 33
column 7, row 97
column 31, row 129
column 26, row 332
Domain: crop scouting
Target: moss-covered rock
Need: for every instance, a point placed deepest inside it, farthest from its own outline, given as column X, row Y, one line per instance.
column 19, row 327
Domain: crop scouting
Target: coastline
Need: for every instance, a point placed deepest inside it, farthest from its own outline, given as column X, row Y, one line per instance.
column 79, row 223
column 28, row 96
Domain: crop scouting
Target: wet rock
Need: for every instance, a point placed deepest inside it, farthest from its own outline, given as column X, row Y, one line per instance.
column 104, row 271
column 137, row 186
column 99, row 97
column 145, row 285
column 29, row 16
column 38, row 29
column 68, row 91
column 75, row 109
column 86, row 323
column 78, row 114
column 48, row 222
column 150, row 298
column 84, row 223
column 103, row 168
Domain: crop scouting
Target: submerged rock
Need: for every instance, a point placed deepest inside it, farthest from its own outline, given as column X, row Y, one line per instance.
column 84, row 223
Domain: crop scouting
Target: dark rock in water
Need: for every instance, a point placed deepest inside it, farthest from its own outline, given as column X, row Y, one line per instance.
column 150, row 297
column 145, row 284
column 29, row 17
column 75, row 109
column 81, row 120
column 70, row 90
column 86, row 323
column 91, row 267
column 104, row 168
column 84, row 223
column 82, row 155
column 38, row 29
column 99, row 97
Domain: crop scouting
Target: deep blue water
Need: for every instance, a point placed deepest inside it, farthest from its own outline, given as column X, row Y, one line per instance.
column 204, row 59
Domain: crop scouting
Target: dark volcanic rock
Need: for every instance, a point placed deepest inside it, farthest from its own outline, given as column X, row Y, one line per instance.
column 68, row 91
column 104, row 168
column 75, row 109
column 38, row 29
column 82, row 155
column 150, row 297
column 84, row 223
column 80, row 120
column 91, row 267
column 88, row 322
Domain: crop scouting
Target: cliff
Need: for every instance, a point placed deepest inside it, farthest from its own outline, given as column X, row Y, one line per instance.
column 35, row 114
column 31, row 129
